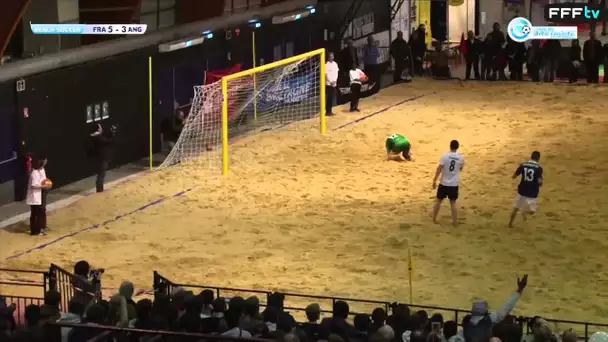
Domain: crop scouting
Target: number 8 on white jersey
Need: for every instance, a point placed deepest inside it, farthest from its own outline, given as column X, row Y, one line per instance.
column 452, row 164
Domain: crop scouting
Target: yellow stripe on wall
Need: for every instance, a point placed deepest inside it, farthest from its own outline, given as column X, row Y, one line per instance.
column 424, row 18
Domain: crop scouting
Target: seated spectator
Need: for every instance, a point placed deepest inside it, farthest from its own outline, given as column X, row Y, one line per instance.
column 7, row 320
column 569, row 336
column 338, row 324
column 363, row 324
column 144, row 309
column 270, row 317
column 33, row 331
column 216, row 323
column 95, row 315
column 450, row 332
column 311, row 327
column 378, row 320
column 127, row 289
column 191, row 321
column 479, row 327
column 237, row 304
column 73, row 316
column 232, row 320
column 399, row 320
column 386, row 332
column 207, row 296
column 251, row 319
column 540, row 331
column 285, row 324
column 49, row 311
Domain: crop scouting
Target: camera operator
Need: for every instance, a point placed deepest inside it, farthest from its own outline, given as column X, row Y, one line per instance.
column 87, row 284
column 101, row 143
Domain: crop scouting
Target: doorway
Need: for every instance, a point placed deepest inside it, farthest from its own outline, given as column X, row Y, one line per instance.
column 439, row 20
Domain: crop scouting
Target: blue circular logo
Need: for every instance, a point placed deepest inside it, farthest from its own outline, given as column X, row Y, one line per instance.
column 520, row 29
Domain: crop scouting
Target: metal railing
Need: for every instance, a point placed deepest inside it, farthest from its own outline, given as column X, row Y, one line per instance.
column 298, row 302
column 69, row 286
column 127, row 334
column 22, row 278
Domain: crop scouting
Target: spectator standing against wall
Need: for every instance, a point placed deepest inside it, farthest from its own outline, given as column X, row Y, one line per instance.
column 516, row 52
column 471, row 54
column 371, row 55
column 36, row 197
column 348, row 56
column 534, row 60
column 498, row 42
column 101, row 143
column 592, row 56
column 400, row 51
column 574, row 55
column 552, row 52
column 418, row 45
column 331, row 76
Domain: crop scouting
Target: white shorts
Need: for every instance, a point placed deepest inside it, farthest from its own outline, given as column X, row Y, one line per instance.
column 530, row 203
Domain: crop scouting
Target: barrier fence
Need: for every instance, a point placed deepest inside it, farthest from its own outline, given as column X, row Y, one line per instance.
column 37, row 280
column 70, row 285
column 298, row 303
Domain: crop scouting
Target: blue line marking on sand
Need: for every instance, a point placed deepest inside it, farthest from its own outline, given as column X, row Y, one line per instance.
column 382, row 111
column 181, row 193
column 95, row 226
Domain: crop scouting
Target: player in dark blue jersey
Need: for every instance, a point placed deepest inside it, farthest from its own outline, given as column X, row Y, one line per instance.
column 531, row 174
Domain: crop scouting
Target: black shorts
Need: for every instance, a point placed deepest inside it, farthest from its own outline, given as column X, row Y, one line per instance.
column 451, row 192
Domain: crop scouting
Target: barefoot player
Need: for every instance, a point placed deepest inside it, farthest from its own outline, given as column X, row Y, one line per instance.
column 398, row 148
column 529, row 186
column 450, row 166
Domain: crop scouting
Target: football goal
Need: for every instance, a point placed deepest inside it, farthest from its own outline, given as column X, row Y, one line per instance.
column 267, row 97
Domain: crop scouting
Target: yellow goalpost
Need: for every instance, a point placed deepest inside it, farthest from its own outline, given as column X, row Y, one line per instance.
column 256, row 74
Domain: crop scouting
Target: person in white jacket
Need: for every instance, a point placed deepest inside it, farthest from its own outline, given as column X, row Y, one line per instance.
column 331, row 78
column 36, row 197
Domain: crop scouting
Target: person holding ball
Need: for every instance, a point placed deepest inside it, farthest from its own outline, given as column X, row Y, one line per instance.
column 38, row 185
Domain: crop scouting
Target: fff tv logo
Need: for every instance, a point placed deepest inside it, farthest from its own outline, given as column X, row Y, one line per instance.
column 573, row 13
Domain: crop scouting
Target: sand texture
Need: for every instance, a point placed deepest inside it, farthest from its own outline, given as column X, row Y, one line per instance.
column 329, row 215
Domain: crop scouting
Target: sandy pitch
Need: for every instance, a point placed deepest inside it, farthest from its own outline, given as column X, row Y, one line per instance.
column 328, row 215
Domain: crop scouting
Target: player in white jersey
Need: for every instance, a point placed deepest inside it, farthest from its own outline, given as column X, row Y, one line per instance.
column 450, row 166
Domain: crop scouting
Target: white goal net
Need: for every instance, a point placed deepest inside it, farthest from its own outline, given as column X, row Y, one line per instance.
column 259, row 99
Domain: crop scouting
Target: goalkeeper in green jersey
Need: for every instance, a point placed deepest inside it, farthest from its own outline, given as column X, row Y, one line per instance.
column 398, row 148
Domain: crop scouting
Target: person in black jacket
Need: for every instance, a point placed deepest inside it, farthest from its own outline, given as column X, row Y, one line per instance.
column 534, row 60
column 551, row 52
column 348, row 56
column 401, row 53
column 472, row 46
column 101, row 142
column 517, row 56
column 418, row 45
column 487, row 59
column 592, row 56
column 575, row 60
column 498, row 41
